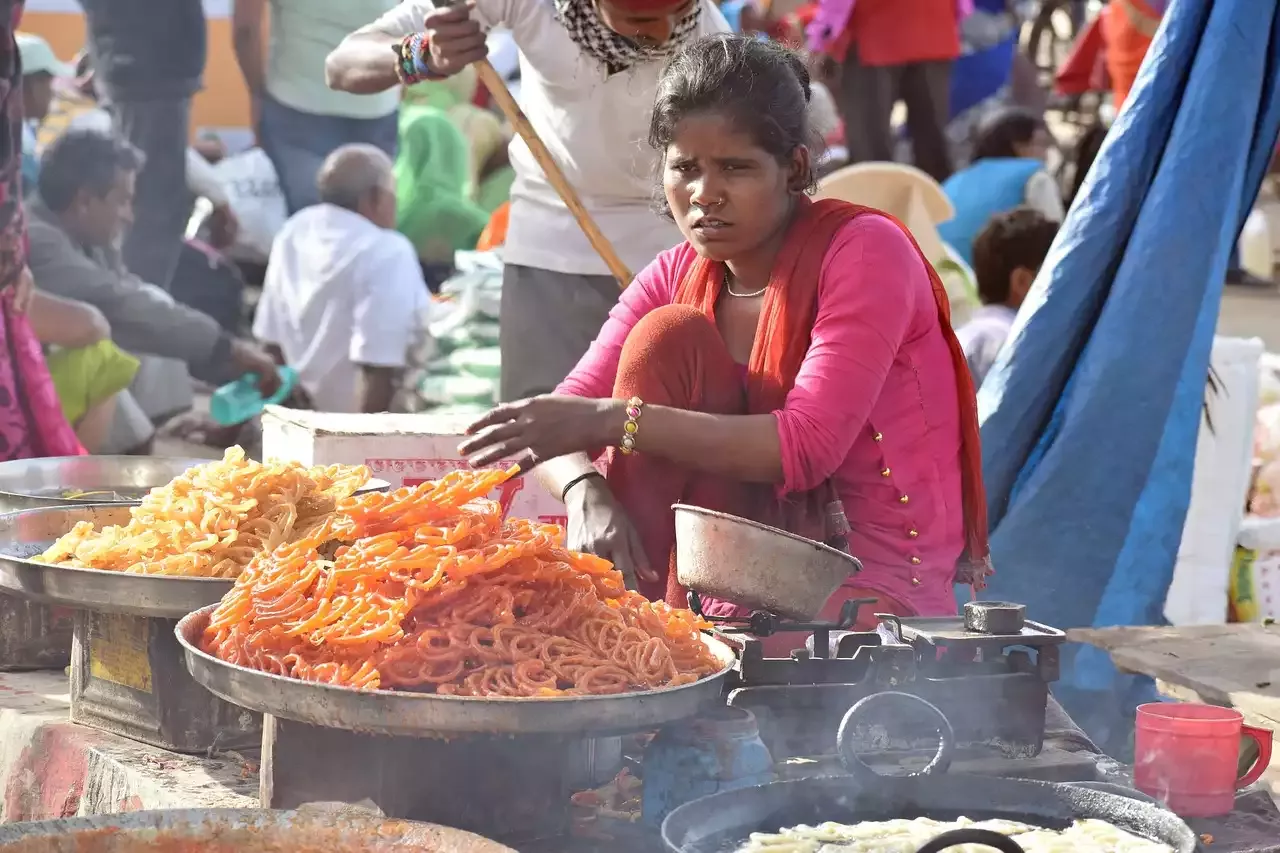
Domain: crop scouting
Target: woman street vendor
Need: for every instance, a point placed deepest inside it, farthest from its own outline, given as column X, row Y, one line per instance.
column 789, row 357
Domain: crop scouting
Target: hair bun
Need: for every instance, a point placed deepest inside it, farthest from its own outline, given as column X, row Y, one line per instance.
column 802, row 75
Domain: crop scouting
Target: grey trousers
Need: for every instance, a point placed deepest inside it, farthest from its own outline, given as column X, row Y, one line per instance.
column 548, row 321
column 866, row 98
column 162, row 205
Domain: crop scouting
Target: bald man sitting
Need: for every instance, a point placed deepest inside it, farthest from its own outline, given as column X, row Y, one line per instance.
column 344, row 297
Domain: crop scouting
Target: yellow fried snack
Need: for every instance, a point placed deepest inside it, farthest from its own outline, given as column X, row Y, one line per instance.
column 212, row 520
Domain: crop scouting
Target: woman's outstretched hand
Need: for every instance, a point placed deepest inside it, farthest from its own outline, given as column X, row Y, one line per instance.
column 599, row 525
column 532, row 431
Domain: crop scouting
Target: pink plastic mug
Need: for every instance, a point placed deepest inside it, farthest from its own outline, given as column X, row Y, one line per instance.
column 1187, row 756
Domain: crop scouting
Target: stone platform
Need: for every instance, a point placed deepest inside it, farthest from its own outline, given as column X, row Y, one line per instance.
column 51, row 767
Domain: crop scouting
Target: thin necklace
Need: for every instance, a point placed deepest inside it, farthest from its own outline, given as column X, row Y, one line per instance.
column 728, row 286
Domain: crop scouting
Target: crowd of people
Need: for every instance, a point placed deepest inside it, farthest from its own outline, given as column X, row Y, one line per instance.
column 790, row 360
column 385, row 177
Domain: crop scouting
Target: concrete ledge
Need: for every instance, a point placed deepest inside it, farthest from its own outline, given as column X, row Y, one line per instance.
column 51, row 768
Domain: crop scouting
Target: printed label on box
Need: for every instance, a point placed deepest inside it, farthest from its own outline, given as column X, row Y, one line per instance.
column 118, row 651
column 518, row 497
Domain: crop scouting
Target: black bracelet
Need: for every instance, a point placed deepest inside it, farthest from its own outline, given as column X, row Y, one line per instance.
column 564, row 493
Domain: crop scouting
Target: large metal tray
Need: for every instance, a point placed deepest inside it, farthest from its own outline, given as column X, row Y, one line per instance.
column 32, row 483
column 56, row 480
column 404, row 713
column 27, row 533
column 239, row 831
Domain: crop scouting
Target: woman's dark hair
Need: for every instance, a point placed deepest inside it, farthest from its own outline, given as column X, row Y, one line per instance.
column 761, row 86
column 999, row 132
column 83, row 160
column 1016, row 238
column 1082, row 156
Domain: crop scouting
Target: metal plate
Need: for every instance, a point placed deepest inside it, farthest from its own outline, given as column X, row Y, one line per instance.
column 404, row 713
column 239, row 831
column 951, row 629
column 31, row 483
column 374, row 485
column 29, row 532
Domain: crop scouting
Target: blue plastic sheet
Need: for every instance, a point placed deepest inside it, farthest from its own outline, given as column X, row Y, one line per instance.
column 1090, row 416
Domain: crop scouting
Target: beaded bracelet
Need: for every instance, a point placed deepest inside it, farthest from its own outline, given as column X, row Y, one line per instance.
column 635, row 408
column 411, row 59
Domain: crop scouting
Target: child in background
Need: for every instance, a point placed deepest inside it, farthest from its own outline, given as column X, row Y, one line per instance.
column 1007, row 254
column 1008, row 170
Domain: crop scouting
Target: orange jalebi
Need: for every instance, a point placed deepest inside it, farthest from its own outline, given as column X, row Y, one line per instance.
column 428, row 589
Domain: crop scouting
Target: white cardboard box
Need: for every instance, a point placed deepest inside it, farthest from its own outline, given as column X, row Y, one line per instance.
column 404, row 450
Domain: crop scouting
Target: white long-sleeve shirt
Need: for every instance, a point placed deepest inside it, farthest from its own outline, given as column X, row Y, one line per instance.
column 595, row 125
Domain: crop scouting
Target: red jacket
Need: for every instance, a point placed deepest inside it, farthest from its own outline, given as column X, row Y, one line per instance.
column 898, row 32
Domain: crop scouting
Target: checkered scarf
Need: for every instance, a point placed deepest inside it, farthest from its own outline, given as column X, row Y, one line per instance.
column 617, row 52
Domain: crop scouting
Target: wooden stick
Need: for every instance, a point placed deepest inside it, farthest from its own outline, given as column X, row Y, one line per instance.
column 498, row 89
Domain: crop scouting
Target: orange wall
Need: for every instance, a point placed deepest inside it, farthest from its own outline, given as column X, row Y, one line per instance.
column 224, row 103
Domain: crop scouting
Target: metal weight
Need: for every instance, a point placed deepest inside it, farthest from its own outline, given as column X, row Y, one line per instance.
column 995, row 617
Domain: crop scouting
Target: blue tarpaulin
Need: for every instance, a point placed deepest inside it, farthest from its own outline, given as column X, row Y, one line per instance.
column 1090, row 416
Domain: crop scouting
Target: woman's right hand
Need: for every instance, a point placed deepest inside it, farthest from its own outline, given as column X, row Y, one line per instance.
column 455, row 39
column 599, row 525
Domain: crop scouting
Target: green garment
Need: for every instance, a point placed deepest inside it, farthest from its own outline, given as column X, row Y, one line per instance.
column 87, row 376
column 484, row 131
column 495, row 190
column 433, row 170
column 444, row 94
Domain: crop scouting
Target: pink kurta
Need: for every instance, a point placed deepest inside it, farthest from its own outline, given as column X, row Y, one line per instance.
column 874, row 406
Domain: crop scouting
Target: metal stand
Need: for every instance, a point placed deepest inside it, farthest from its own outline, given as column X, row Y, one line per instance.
column 128, row 678
column 33, row 636
column 509, row 788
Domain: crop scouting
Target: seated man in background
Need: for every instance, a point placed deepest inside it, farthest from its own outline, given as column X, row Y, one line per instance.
column 1007, row 254
column 344, row 295
column 75, row 106
column 83, row 206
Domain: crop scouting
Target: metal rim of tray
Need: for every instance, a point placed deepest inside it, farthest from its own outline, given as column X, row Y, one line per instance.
column 27, row 483
column 418, row 714
column 207, row 825
column 154, row 596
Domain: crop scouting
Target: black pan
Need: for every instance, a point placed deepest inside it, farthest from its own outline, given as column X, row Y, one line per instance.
column 722, row 822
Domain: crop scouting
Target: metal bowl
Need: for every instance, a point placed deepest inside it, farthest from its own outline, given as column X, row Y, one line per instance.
column 239, row 831
column 72, row 480
column 756, row 566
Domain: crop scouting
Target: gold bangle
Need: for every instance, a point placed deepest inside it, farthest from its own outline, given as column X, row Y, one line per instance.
column 635, row 408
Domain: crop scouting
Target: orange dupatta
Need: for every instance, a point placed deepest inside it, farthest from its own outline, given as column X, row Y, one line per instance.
column 783, row 337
